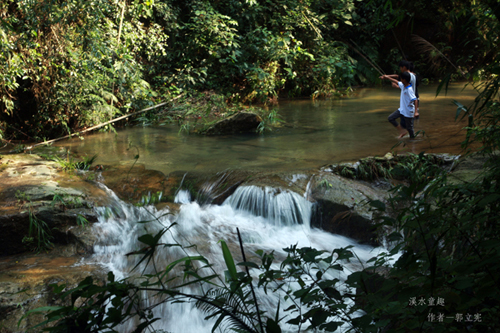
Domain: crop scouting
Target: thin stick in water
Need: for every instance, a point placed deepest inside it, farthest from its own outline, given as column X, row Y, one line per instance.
column 103, row 124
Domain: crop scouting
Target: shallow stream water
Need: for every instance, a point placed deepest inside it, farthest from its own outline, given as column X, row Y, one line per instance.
column 314, row 133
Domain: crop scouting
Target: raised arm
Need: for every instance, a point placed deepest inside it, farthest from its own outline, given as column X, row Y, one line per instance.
column 390, row 78
column 394, row 76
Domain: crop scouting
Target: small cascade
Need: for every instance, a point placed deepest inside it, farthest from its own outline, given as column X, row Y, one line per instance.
column 308, row 187
column 280, row 207
column 269, row 219
column 213, row 188
column 182, row 197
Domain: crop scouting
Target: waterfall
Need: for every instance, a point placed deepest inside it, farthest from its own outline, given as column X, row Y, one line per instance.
column 280, row 207
column 183, row 197
column 269, row 219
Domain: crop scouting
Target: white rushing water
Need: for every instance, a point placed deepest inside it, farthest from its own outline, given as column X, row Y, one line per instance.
column 268, row 219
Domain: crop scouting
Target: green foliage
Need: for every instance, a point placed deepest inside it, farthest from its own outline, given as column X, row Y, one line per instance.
column 268, row 121
column 483, row 116
column 150, row 199
column 68, row 70
column 67, row 201
column 70, row 164
column 91, row 296
column 415, row 169
column 320, row 302
column 325, row 183
column 81, row 220
column 39, row 235
column 449, row 242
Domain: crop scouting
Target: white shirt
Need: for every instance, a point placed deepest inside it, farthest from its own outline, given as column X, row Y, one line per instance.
column 413, row 81
column 407, row 100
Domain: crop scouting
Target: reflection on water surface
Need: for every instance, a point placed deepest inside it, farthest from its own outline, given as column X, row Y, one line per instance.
column 315, row 133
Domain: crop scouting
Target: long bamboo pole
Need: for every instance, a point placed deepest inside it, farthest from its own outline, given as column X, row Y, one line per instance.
column 103, row 124
column 374, row 65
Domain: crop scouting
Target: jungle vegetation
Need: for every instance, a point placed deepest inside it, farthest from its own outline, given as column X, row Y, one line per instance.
column 67, row 65
column 130, row 54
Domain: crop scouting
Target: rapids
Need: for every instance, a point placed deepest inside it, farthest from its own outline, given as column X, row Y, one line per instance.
column 268, row 219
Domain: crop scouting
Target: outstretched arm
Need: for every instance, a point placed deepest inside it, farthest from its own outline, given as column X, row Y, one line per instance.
column 390, row 78
column 394, row 76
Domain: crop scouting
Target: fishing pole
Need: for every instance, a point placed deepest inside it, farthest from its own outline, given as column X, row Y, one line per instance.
column 376, row 67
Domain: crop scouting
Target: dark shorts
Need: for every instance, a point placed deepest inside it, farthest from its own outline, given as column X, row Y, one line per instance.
column 405, row 122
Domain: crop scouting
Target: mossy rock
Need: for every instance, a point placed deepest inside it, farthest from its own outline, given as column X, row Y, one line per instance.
column 242, row 122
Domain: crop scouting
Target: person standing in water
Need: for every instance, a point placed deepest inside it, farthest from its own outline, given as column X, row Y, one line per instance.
column 407, row 106
column 415, row 89
column 406, row 67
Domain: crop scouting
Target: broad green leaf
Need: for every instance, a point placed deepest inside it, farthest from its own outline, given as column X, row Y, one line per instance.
column 228, row 258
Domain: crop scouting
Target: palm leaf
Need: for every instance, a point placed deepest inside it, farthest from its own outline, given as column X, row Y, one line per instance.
column 433, row 52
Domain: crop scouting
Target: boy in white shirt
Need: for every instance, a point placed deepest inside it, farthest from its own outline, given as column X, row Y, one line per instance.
column 407, row 106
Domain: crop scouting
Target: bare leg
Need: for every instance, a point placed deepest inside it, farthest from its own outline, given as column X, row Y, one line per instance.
column 401, row 130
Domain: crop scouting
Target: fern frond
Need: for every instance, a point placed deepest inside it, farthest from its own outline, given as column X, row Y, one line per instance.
column 425, row 46
column 230, row 308
column 108, row 96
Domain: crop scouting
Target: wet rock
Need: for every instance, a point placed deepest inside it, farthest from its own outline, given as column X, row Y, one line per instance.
column 241, row 122
column 342, row 207
column 25, row 285
column 35, row 191
column 132, row 183
column 376, row 168
column 209, row 188
column 468, row 169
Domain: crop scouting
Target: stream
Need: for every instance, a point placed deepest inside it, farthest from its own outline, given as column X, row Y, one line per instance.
column 314, row 133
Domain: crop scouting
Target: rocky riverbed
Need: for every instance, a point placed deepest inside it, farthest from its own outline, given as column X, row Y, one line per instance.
column 46, row 216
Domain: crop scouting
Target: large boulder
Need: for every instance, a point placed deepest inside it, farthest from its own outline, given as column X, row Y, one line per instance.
column 343, row 207
column 241, row 122
column 34, row 193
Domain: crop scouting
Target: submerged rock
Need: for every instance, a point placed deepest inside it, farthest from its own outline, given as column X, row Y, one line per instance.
column 241, row 122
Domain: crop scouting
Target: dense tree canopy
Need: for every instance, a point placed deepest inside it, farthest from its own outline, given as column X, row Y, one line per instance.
column 70, row 64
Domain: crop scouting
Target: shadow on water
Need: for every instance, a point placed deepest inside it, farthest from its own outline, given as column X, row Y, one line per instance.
column 314, row 133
